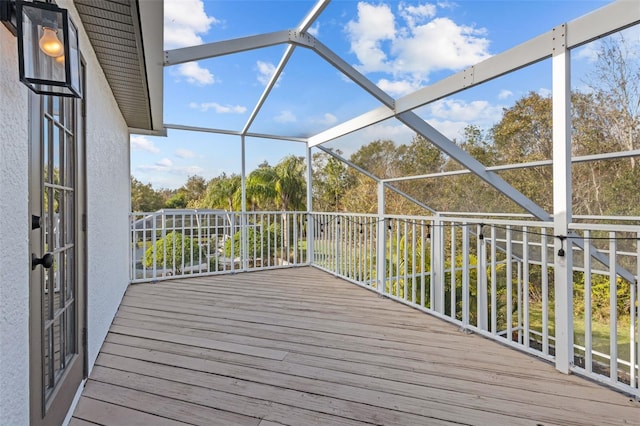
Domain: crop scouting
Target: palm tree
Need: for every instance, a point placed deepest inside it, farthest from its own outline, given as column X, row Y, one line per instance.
column 261, row 184
column 290, row 184
column 222, row 192
column 290, row 189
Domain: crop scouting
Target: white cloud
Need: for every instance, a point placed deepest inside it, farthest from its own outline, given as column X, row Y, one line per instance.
column 459, row 110
column 185, row 153
column 165, row 162
column 285, row 116
column 327, row 119
column 451, row 116
column 504, row 94
column 544, row 92
column 398, row 133
column 414, row 15
column 397, row 88
column 427, row 44
column 589, row 51
column 195, row 74
column 184, row 21
column 315, row 30
column 141, row 143
column 220, row 109
column 451, row 129
column 265, row 72
column 374, row 25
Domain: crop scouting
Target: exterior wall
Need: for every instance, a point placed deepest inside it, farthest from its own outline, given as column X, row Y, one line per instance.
column 107, row 203
column 14, row 238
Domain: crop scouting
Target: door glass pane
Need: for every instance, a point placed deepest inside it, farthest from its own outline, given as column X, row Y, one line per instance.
column 69, row 217
column 48, row 358
column 56, row 279
column 57, row 240
column 69, row 274
column 69, row 161
column 45, row 150
column 57, row 339
column 70, row 316
column 56, row 101
column 56, row 155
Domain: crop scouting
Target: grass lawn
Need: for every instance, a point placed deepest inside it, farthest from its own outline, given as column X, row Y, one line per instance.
column 599, row 330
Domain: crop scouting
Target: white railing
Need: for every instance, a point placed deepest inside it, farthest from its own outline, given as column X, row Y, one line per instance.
column 495, row 277
column 175, row 243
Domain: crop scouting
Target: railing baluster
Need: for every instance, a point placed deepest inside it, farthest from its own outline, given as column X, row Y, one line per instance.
column 494, row 284
column 613, row 310
column 466, row 307
column 453, row 271
column 509, row 284
column 545, row 293
column 525, row 285
column 588, row 344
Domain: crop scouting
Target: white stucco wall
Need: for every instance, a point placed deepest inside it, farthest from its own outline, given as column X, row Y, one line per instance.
column 107, row 179
column 14, row 238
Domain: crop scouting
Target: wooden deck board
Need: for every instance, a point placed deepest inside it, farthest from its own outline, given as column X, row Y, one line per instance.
column 301, row 347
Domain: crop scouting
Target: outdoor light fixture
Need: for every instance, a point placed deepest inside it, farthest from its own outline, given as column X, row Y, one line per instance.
column 48, row 54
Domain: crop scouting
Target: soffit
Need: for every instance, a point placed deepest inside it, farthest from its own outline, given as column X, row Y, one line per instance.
column 126, row 53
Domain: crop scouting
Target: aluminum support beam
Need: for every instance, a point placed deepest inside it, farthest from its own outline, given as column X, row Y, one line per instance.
column 562, row 205
column 267, row 90
column 611, row 18
column 349, row 71
column 222, row 48
column 602, row 22
column 414, row 122
column 235, row 133
column 417, row 124
column 302, row 28
column 313, row 14
column 527, row 165
column 367, row 119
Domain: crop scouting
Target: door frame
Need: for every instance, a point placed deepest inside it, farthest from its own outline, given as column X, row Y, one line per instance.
column 53, row 410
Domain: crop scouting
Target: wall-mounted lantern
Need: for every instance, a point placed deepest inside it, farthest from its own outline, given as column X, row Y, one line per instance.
column 48, row 55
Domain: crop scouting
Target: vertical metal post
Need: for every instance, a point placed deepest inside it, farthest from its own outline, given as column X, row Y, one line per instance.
column 310, row 217
column 244, row 240
column 483, row 317
column 563, row 266
column 382, row 242
column 437, row 272
column 466, row 306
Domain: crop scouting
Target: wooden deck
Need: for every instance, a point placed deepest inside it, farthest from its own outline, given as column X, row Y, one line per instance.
column 300, row 347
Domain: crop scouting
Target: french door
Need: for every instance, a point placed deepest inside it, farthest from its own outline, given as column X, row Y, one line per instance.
column 57, row 283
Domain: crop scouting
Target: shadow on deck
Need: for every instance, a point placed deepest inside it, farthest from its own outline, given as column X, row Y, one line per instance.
column 298, row 346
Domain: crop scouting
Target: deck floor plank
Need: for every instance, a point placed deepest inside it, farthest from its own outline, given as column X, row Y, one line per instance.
column 301, row 347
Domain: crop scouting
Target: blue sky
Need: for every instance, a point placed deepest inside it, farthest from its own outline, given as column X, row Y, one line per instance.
column 401, row 46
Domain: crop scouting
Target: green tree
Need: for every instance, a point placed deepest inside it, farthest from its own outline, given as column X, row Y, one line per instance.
column 223, row 192
column 194, row 190
column 177, row 201
column 290, row 184
column 331, row 179
column 173, row 252
column 261, row 192
column 143, row 197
